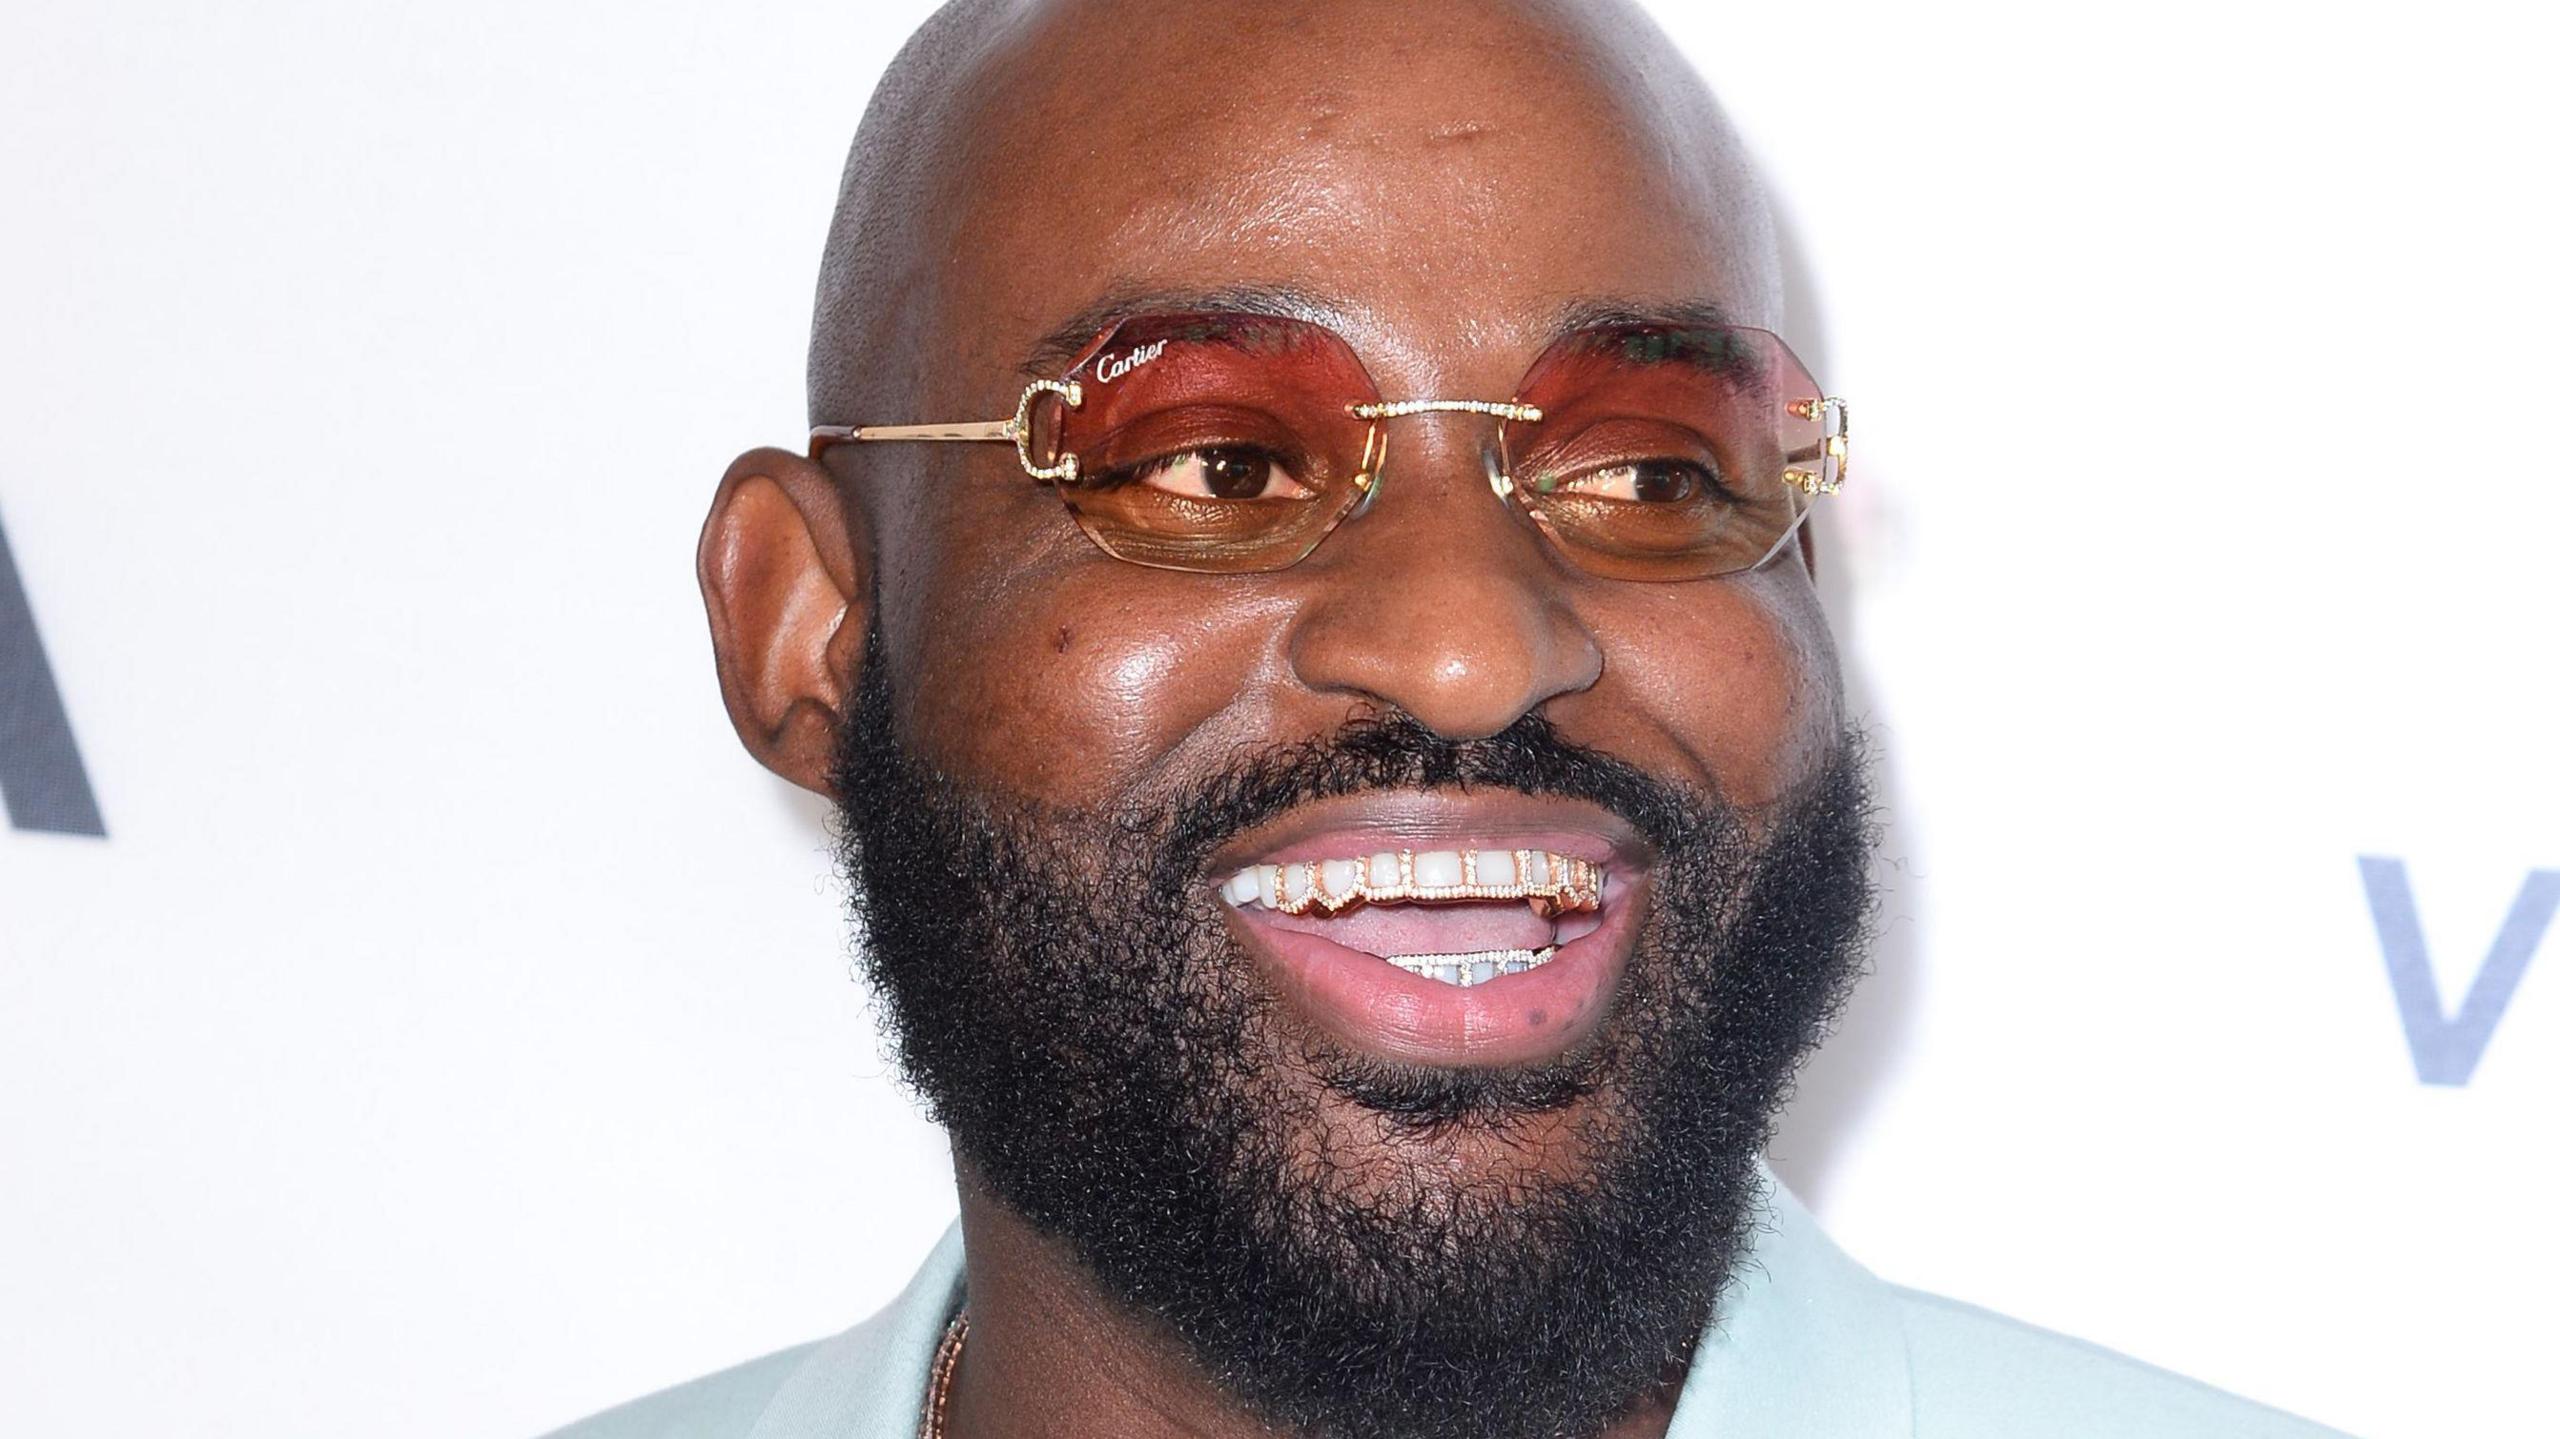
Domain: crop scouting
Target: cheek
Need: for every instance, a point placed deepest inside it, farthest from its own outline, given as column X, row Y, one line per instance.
column 1072, row 687
column 1734, row 679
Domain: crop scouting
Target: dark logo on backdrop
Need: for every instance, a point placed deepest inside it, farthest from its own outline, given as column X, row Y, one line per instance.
column 40, row 772
column 2447, row 1045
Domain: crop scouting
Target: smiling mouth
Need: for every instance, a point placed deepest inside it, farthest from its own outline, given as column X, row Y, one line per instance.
column 1462, row 917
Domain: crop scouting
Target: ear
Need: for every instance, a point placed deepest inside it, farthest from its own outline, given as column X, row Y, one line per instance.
column 783, row 569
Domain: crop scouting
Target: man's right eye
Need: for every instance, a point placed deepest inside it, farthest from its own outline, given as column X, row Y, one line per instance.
column 1223, row 472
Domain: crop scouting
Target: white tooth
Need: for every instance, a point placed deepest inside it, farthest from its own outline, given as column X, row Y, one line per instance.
column 1266, row 885
column 1446, row 974
column 1538, row 868
column 1302, row 882
column 1496, row 867
column 1439, row 869
column 1384, row 877
column 1480, row 971
column 1232, row 891
column 1339, row 876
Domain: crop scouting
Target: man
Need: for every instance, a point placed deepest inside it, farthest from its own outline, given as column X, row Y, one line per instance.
column 1301, row 594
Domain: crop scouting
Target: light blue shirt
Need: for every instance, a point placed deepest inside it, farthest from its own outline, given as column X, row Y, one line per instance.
column 1806, row 1344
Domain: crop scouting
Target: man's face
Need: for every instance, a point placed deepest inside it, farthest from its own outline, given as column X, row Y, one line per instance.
column 1443, row 193
column 1370, row 1200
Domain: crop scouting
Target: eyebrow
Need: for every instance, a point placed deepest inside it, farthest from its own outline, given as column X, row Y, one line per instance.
column 1584, row 314
column 1052, row 351
column 1050, row 354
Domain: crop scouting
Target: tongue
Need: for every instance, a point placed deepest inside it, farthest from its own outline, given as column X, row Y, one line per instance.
column 1390, row 929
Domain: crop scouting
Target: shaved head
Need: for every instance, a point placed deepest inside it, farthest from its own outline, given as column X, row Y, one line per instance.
column 893, row 193
column 990, row 99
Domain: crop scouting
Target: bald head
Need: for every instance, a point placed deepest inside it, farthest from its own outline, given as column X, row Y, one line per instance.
column 893, row 178
column 1100, row 134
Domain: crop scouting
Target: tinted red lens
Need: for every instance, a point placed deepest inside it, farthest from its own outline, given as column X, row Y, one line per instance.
column 1211, row 442
column 1666, row 452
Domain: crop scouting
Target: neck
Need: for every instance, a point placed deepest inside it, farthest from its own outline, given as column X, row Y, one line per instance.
column 1051, row 1355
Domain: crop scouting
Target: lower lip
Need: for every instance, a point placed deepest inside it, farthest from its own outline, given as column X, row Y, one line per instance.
column 1372, row 1005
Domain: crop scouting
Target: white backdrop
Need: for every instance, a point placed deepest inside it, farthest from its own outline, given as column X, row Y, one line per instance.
column 453, row 1033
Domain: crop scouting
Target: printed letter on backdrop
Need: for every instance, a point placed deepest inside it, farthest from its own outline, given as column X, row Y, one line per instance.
column 2448, row 1048
column 40, row 773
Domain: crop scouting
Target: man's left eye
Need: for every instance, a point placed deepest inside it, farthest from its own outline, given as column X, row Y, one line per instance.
column 1667, row 482
column 1224, row 472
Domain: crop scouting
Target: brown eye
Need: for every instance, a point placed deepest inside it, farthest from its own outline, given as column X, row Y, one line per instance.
column 1224, row 472
column 1665, row 482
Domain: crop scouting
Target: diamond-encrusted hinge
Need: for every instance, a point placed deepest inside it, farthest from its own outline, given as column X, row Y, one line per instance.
column 1833, row 413
column 1018, row 429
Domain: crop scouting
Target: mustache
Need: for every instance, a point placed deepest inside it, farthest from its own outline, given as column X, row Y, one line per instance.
column 1388, row 749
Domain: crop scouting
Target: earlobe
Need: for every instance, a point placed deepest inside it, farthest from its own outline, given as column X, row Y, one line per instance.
column 782, row 569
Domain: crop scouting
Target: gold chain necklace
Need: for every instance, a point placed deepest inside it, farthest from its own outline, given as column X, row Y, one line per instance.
column 946, row 1359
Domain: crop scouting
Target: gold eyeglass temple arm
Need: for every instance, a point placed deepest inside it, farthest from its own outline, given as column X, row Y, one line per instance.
column 976, row 430
column 1015, row 431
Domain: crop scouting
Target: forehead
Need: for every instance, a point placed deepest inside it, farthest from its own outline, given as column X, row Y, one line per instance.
column 1447, row 179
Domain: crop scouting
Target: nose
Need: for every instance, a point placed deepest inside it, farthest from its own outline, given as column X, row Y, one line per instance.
column 1437, row 601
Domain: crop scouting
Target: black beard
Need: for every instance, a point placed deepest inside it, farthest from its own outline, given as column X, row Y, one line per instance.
column 1066, row 998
